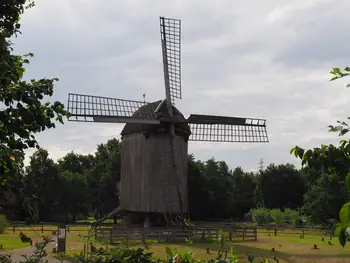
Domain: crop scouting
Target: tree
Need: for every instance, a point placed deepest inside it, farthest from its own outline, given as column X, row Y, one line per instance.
column 324, row 199
column 199, row 196
column 73, row 198
column 244, row 187
column 336, row 165
column 76, row 163
column 102, row 179
column 25, row 112
column 41, row 181
column 342, row 127
column 283, row 181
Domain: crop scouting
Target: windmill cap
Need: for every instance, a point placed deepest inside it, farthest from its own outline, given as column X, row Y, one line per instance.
column 162, row 111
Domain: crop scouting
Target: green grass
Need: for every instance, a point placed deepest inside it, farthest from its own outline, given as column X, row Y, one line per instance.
column 289, row 248
column 11, row 241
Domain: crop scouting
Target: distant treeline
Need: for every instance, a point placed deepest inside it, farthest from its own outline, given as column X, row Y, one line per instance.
column 78, row 186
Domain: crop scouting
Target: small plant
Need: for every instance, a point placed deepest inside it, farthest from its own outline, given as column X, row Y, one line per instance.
column 189, row 241
column 25, row 239
column 5, row 259
column 250, row 258
column 37, row 257
column 223, row 237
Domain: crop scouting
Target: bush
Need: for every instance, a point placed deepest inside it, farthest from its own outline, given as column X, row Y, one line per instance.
column 261, row 216
column 3, row 224
column 277, row 216
column 291, row 216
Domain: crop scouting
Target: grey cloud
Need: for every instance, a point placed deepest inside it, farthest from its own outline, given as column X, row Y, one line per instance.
column 320, row 37
column 235, row 62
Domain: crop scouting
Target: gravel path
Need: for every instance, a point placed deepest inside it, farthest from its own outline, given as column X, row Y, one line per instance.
column 16, row 254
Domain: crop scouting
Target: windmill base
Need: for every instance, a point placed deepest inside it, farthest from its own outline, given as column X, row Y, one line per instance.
column 148, row 220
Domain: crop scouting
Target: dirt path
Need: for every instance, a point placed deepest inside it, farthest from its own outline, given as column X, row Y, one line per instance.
column 16, row 254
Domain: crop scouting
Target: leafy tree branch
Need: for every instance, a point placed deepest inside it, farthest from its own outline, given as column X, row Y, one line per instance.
column 23, row 111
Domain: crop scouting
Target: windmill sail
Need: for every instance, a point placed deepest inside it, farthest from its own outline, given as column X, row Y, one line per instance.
column 170, row 30
column 86, row 108
column 227, row 129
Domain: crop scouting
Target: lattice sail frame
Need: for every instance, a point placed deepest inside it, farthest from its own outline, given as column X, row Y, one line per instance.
column 227, row 129
column 170, row 31
column 87, row 108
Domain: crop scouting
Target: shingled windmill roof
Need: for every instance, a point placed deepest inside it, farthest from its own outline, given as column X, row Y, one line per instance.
column 130, row 128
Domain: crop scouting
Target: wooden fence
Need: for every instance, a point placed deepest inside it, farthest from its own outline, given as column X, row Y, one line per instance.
column 114, row 235
column 272, row 229
column 44, row 228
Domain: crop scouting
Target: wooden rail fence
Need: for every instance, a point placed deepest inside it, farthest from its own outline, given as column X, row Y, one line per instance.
column 114, row 235
column 42, row 229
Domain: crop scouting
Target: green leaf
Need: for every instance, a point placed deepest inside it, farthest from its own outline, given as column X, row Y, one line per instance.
column 335, row 71
column 301, row 153
column 169, row 251
column 342, row 237
column 343, row 131
column 344, row 213
column 347, row 182
column 292, row 151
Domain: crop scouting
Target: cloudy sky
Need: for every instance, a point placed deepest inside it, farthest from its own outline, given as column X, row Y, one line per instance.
column 268, row 59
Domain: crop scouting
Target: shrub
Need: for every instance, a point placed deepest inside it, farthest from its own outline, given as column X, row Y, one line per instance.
column 261, row 216
column 3, row 224
column 291, row 216
column 277, row 216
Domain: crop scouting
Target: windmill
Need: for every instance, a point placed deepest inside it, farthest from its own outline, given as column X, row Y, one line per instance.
column 155, row 136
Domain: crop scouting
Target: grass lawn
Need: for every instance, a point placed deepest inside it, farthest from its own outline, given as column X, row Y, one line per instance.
column 12, row 240
column 289, row 248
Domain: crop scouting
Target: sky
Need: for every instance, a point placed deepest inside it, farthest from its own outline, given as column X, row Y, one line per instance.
column 265, row 59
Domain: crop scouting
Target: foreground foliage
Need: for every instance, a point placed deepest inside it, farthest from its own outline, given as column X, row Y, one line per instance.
column 129, row 255
column 25, row 113
column 332, row 164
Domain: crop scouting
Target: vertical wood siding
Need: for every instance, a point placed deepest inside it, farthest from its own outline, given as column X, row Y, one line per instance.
column 148, row 182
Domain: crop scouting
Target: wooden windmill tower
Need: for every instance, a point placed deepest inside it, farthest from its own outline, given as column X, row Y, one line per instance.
column 155, row 137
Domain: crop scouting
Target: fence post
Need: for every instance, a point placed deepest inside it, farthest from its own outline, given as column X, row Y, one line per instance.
column 173, row 234
column 143, row 239
column 42, row 229
column 13, row 229
column 275, row 231
column 255, row 233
